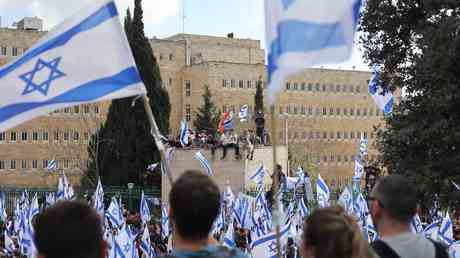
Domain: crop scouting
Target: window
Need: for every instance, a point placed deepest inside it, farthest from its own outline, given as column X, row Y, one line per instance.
column 331, row 111
column 241, row 84
column 365, row 135
column 66, row 163
column 310, row 87
column 339, row 135
column 86, row 107
column 224, row 83
column 34, row 164
column 76, row 109
column 188, row 113
column 86, row 136
column 171, row 57
column 12, row 164
column 96, row 109
column 339, row 158
column 45, row 164
column 248, row 84
column 56, row 136
column 345, row 158
column 303, row 86
column 23, row 164
column 15, row 51
column 2, row 164
column 331, row 135
column 288, row 85
column 2, row 137
column 296, row 86
column 312, row 135
column 303, row 111
column 310, row 111
column 232, row 83
column 365, row 112
column 45, row 136
column 358, row 112
column 161, row 57
column 35, row 136
column 24, row 136
column 188, row 88
column 352, row 112
column 324, row 135
column 281, row 110
column 345, row 112
column 13, row 136
column 324, row 111
column 296, row 110
column 324, row 87
column 337, row 88
column 331, row 158
column 351, row 88
column 66, row 110
column 352, row 135
column 288, row 109
column 337, row 111
column 76, row 136
column 3, row 51
column 358, row 89
column 66, row 136
column 170, row 82
column 345, row 135
column 317, row 87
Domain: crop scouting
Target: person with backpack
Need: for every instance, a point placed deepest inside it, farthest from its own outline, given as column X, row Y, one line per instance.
column 194, row 205
column 393, row 204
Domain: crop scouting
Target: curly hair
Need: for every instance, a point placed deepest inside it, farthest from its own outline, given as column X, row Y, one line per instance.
column 333, row 233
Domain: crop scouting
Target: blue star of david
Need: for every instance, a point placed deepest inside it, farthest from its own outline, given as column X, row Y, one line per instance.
column 272, row 247
column 287, row 3
column 127, row 246
column 42, row 87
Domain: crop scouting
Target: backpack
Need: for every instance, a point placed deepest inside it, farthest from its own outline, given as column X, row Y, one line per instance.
column 221, row 252
column 385, row 251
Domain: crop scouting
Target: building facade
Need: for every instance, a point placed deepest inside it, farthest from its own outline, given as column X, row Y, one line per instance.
column 326, row 111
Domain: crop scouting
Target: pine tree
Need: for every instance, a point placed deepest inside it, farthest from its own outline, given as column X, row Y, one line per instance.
column 126, row 146
column 259, row 98
column 207, row 117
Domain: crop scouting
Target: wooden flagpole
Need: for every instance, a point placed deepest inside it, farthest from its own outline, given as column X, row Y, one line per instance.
column 276, row 214
column 155, row 132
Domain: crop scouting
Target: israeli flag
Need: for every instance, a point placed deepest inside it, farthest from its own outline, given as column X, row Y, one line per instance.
column 265, row 246
column 145, row 245
column 3, row 216
column 244, row 113
column 416, row 224
column 363, row 147
column 229, row 197
column 454, row 250
column 323, row 193
column 229, row 238
column 346, row 200
column 432, row 230
column 204, row 163
column 114, row 213
column 151, row 167
column 52, row 165
column 50, row 199
column 446, row 232
column 86, row 58
column 359, row 169
column 383, row 99
column 123, row 244
column 242, row 211
column 9, row 244
column 165, row 231
column 360, row 207
column 33, row 209
column 144, row 209
column 305, row 33
column 259, row 175
column 98, row 199
column 184, row 133
column 303, row 208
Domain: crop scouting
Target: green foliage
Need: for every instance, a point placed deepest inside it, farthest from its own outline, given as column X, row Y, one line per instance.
column 418, row 44
column 207, row 117
column 259, row 98
column 126, row 146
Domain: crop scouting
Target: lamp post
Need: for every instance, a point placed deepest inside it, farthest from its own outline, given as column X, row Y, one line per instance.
column 130, row 200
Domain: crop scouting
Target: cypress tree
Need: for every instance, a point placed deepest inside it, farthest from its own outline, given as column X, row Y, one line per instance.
column 207, row 117
column 126, row 146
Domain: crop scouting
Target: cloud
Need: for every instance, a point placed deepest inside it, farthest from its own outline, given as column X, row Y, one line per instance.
column 55, row 11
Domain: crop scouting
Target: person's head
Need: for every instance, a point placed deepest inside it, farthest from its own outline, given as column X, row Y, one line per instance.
column 393, row 199
column 194, row 205
column 69, row 229
column 330, row 232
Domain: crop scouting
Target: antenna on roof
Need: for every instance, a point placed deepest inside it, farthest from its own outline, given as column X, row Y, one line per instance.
column 183, row 16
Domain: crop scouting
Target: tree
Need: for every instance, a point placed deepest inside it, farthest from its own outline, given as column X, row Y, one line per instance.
column 207, row 117
column 418, row 45
column 259, row 98
column 125, row 145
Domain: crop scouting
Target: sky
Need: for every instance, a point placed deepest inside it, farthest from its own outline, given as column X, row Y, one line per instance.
column 163, row 18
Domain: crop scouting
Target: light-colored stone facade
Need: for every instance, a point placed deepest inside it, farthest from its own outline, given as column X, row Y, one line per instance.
column 328, row 110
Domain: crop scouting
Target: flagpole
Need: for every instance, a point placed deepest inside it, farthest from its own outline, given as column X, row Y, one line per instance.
column 275, row 209
column 155, row 132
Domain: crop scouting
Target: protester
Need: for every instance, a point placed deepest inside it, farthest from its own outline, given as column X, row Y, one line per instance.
column 330, row 232
column 69, row 229
column 194, row 205
column 393, row 204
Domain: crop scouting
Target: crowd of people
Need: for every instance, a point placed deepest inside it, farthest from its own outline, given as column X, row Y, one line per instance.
column 74, row 229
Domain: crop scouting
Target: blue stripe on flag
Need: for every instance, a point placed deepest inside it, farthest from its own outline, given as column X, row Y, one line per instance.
column 271, row 236
column 86, row 92
column 105, row 13
column 388, row 107
column 323, row 186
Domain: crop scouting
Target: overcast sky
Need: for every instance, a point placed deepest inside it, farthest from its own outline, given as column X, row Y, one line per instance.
column 164, row 18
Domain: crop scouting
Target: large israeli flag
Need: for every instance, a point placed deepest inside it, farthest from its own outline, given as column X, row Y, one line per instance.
column 86, row 58
column 265, row 246
column 305, row 33
column 383, row 99
column 323, row 193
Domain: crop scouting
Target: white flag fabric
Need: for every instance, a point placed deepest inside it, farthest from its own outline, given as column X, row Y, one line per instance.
column 454, row 250
column 305, row 33
column 259, row 175
column 204, row 163
column 446, row 231
column 85, row 59
column 3, row 215
column 145, row 244
column 303, row 208
column 416, row 224
column 98, row 199
column 165, row 230
column 144, row 210
column 346, row 200
column 383, row 100
column 322, row 192
column 359, row 169
column 244, row 113
column 229, row 237
column 432, row 230
column 52, row 165
column 265, row 246
column 184, row 133
column 114, row 213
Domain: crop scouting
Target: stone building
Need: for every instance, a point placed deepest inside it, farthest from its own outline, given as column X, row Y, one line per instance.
column 327, row 111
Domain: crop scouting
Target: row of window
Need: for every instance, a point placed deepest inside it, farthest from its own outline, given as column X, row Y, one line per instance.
column 335, row 158
column 326, row 135
column 331, row 111
column 37, row 164
column 242, row 84
column 337, row 88
column 35, row 136
column 14, row 51
column 170, row 57
column 83, row 109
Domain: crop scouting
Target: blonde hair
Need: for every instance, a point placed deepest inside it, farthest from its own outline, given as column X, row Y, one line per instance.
column 333, row 233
